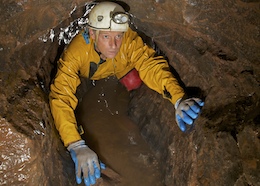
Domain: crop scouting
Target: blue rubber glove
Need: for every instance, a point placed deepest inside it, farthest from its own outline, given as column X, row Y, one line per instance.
column 86, row 163
column 186, row 111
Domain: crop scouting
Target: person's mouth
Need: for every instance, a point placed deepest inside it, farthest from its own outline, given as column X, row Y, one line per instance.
column 113, row 51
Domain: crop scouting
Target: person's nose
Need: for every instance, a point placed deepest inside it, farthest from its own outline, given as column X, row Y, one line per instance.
column 113, row 43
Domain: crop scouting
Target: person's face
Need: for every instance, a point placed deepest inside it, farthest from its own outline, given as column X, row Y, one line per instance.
column 108, row 42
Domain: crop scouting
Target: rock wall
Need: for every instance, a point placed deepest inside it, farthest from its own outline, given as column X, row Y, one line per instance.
column 212, row 45
column 31, row 151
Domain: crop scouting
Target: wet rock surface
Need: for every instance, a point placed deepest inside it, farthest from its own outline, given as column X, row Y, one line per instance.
column 212, row 45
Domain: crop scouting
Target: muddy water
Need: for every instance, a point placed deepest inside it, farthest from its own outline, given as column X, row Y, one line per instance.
column 114, row 137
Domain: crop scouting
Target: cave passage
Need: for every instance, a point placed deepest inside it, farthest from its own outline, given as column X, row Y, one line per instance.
column 114, row 137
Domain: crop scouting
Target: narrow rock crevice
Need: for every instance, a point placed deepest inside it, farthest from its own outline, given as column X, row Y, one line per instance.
column 218, row 62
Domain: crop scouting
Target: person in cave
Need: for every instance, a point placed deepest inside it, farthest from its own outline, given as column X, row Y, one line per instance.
column 109, row 47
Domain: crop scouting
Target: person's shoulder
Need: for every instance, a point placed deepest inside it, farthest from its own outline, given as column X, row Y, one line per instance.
column 79, row 39
column 80, row 42
column 132, row 36
column 131, row 33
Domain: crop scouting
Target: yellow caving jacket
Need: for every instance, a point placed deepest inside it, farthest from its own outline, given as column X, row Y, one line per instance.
column 80, row 56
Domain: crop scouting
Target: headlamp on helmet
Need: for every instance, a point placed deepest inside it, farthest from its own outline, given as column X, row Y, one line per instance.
column 120, row 17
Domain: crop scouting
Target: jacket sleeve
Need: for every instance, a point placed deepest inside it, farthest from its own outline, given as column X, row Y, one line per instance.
column 62, row 96
column 154, row 71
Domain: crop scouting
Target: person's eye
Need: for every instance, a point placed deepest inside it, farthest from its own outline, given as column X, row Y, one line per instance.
column 119, row 36
column 106, row 36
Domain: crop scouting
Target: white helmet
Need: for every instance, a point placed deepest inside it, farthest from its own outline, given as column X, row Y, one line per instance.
column 108, row 16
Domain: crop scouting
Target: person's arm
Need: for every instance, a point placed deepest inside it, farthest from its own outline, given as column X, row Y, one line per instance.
column 154, row 71
column 73, row 63
column 156, row 74
column 63, row 103
column 63, row 100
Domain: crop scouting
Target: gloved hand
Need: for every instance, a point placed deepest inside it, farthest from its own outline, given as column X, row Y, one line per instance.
column 86, row 162
column 186, row 111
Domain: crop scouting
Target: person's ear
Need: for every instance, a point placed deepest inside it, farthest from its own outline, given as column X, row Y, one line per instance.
column 92, row 34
